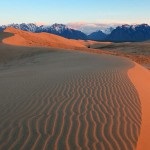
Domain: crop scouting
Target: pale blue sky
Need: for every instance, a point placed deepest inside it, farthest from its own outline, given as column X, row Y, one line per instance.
column 66, row 11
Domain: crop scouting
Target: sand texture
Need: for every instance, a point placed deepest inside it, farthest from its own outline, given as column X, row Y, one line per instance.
column 137, row 51
column 12, row 52
column 68, row 100
column 24, row 38
column 141, row 79
column 16, row 44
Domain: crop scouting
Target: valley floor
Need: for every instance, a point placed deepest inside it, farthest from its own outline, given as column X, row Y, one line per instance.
column 136, row 51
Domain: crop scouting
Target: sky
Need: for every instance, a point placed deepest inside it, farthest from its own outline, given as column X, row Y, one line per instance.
column 75, row 11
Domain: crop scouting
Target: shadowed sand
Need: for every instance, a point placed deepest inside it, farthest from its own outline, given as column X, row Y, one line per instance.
column 12, row 52
column 69, row 100
column 137, row 51
column 14, row 43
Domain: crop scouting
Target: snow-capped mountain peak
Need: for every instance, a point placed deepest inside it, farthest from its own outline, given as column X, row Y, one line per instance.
column 23, row 26
column 59, row 27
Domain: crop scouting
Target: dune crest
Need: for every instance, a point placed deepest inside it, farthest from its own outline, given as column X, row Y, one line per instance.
column 24, row 38
column 141, row 79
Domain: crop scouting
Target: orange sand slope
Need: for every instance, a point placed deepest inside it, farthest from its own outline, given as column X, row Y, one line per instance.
column 24, row 38
column 141, row 79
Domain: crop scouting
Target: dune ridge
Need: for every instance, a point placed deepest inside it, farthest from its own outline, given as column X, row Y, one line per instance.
column 140, row 77
column 86, row 102
column 24, row 38
column 138, row 52
column 18, row 43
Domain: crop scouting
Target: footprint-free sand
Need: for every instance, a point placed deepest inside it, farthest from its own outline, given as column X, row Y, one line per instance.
column 69, row 100
column 65, row 99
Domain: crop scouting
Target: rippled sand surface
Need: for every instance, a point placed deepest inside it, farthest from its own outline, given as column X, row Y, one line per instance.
column 68, row 100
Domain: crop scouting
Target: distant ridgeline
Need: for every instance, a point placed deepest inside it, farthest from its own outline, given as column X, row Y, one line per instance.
column 124, row 33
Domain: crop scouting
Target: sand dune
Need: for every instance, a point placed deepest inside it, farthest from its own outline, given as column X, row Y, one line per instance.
column 12, row 52
column 138, row 52
column 16, row 44
column 141, row 79
column 24, row 38
column 69, row 100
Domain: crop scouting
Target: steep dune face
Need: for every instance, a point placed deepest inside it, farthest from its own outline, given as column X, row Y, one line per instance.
column 140, row 77
column 24, row 38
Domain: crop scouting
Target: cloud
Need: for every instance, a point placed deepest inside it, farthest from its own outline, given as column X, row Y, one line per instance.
column 91, row 27
column 40, row 23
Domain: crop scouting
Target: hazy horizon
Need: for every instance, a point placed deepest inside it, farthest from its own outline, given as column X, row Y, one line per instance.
column 75, row 11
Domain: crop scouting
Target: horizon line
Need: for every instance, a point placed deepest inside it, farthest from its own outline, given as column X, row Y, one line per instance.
column 77, row 23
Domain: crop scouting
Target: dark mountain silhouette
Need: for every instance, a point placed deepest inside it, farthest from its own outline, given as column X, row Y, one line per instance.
column 130, row 33
column 63, row 30
column 97, row 36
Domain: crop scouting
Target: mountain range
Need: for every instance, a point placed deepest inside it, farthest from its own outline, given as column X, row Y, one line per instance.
column 130, row 33
column 123, row 33
column 58, row 29
column 97, row 36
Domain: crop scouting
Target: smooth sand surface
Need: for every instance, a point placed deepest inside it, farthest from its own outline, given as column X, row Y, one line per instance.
column 68, row 100
column 11, row 52
column 141, row 79
column 24, row 38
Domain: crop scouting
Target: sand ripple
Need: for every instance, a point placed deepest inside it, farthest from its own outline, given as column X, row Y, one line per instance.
column 94, row 109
